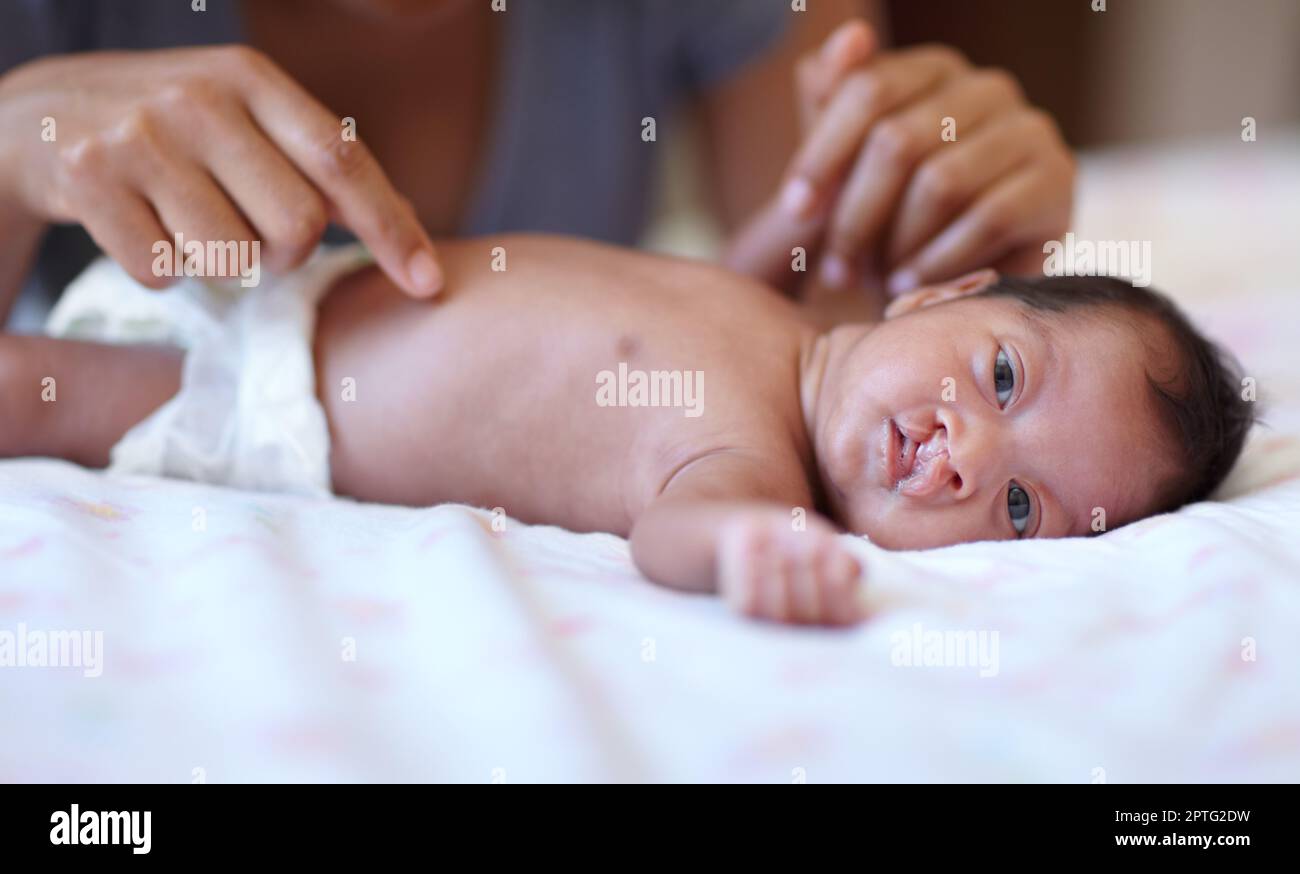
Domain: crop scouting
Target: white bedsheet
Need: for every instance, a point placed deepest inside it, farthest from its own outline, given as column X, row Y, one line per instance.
column 292, row 639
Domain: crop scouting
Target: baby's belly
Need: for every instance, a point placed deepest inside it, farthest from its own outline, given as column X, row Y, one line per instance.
column 463, row 401
column 508, row 390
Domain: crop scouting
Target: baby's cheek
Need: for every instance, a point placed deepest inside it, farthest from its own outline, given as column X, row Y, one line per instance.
column 862, row 514
column 915, row 351
column 900, row 522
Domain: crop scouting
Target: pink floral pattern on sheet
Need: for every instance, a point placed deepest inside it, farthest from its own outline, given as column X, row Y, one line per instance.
column 298, row 639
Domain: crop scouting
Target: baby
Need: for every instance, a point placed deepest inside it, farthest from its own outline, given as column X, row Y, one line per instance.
column 687, row 408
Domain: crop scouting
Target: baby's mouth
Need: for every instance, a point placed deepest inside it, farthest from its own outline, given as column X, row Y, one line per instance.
column 914, row 465
column 900, row 454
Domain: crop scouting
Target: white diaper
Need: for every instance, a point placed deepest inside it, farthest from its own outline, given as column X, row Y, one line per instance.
column 246, row 414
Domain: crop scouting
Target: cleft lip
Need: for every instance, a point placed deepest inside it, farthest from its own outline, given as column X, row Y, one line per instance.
column 927, row 478
column 899, row 451
column 915, row 467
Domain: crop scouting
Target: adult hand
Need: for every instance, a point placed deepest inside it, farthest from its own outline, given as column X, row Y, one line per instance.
column 927, row 206
column 217, row 144
column 878, row 190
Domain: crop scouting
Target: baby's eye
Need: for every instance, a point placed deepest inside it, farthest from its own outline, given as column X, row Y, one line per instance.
column 1004, row 377
column 1018, row 508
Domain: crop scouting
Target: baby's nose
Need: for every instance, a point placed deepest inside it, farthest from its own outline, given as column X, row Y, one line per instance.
column 972, row 454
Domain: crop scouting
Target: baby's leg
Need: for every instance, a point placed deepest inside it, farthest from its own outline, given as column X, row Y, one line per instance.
column 74, row 399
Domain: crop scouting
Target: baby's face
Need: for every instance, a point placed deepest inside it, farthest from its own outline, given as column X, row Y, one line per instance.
column 977, row 420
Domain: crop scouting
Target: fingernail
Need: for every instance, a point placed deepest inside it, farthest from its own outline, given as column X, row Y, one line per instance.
column 796, row 197
column 835, row 271
column 423, row 272
column 901, row 281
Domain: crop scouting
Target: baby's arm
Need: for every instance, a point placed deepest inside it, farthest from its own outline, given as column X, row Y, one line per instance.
column 721, row 525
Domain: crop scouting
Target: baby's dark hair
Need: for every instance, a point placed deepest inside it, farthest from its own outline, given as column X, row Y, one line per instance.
column 1203, row 408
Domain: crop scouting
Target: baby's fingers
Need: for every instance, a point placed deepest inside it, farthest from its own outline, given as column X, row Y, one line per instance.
column 806, row 599
column 741, row 560
column 774, row 589
column 841, row 589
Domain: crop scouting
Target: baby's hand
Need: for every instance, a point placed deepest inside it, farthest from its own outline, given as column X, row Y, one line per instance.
column 769, row 570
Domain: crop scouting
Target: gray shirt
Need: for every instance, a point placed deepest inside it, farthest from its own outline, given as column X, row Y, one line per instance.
column 564, row 153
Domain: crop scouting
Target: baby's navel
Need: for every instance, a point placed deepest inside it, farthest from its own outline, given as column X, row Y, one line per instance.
column 627, row 346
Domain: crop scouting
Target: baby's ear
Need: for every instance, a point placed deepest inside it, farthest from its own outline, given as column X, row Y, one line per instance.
column 939, row 292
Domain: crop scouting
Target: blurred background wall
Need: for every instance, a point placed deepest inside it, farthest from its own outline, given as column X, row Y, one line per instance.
column 1141, row 70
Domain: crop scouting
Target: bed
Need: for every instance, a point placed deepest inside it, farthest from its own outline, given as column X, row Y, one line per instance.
column 254, row 637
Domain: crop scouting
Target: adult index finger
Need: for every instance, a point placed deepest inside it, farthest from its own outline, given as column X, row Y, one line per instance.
column 349, row 177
